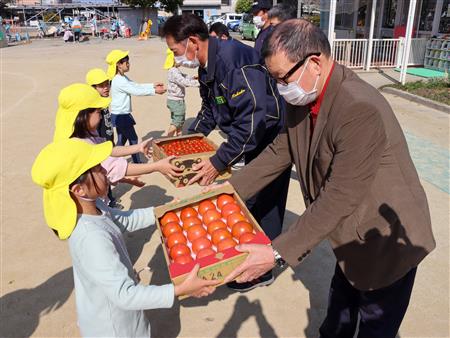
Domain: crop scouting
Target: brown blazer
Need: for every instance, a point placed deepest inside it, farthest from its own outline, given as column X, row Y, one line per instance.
column 360, row 186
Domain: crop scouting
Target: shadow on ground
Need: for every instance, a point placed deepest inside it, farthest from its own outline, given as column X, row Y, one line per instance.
column 143, row 198
column 21, row 310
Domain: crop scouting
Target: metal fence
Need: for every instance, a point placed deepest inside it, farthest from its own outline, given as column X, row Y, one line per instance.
column 353, row 53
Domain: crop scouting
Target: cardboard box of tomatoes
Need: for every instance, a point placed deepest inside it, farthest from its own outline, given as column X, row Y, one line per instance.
column 189, row 149
column 205, row 229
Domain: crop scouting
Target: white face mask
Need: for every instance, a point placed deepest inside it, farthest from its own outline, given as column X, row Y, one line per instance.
column 296, row 95
column 185, row 62
column 258, row 21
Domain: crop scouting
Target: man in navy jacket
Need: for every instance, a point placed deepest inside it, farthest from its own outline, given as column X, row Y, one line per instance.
column 241, row 99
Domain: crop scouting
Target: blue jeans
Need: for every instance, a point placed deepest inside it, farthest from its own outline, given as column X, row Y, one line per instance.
column 125, row 134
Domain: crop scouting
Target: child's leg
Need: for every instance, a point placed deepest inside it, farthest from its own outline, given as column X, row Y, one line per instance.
column 179, row 116
column 130, row 134
column 121, row 137
column 171, row 131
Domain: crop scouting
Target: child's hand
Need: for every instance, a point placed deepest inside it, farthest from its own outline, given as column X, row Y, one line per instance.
column 146, row 148
column 159, row 88
column 166, row 168
column 195, row 286
column 133, row 180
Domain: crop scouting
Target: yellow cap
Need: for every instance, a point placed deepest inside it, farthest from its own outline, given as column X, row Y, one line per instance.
column 55, row 168
column 170, row 59
column 96, row 76
column 112, row 58
column 71, row 100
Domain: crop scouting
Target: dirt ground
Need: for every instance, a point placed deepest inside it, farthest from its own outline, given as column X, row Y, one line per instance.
column 37, row 297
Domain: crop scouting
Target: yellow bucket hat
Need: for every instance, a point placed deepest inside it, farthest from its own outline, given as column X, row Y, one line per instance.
column 71, row 100
column 170, row 59
column 55, row 168
column 96, row 76
column 112, row 58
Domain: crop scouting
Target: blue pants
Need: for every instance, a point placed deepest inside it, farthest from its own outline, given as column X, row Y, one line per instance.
column 381, row 311
column 127, row 133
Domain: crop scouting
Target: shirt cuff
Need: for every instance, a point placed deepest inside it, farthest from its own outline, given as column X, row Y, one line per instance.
column 168, row 291
column 217, row 163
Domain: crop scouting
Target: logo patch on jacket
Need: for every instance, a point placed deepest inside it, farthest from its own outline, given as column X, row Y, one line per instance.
column 220, row 100
column 238, row 93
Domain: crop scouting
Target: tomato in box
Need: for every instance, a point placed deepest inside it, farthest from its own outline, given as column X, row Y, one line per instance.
column 229, row 209
column 196, row 231
column 188, row 213
column 186, row 146
column 210, row 216
column 247, row 237
column 183, row 259
column 205, row 252
column 179, row 250
column 219, row 235
column 234, row 218
column 241, row 228
column 168, row 218
column 170, row 228
column 176, row 238
column 224, row 199
column 191, row 221
column 214, row 225
column 206, row 205
column 201, row 244
column 226, row 243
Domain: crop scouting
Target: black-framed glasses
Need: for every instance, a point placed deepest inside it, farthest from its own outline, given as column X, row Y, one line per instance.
column 283, row 80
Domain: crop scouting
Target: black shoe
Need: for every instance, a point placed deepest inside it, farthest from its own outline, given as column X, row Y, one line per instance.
column 263, row 280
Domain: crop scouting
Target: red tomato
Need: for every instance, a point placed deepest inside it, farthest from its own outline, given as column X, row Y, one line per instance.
column 219, row 235
column 226, row 243
column 204, row 206
column 247, row 237
column 223, row 200
column 176, row 238
column 234, row 218
column 205, row 252
column 200, row 244
column 214, row 225
column 196, row 231
column 188, row 213
column 183, row 259
column 241, row 228
column 171, row 228
column 168, row 218
column 191, row 221
column 210, row 216
column 230, row 208
column 179, row 250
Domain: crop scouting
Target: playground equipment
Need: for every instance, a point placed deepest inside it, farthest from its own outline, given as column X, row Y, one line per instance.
column 147, row 32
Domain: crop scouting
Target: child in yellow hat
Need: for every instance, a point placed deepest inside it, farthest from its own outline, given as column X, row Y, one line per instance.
column 98, row 79
column 110, row 301
column 79, row 115
column 121, row 90
column 176, row 91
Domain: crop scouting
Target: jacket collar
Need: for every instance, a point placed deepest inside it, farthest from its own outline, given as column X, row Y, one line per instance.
column 333, row 87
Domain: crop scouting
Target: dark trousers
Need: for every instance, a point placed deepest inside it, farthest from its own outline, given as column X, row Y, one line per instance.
column 125, row 134
column 268, row 205
column 381, row 311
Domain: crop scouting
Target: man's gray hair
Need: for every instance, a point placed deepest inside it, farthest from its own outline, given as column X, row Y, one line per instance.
column 296, row 38
column 282, row 12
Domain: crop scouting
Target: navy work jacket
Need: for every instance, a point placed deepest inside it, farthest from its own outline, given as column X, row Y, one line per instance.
column 240, row 98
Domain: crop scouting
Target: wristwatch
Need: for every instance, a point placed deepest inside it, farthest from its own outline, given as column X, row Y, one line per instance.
column 279, row 261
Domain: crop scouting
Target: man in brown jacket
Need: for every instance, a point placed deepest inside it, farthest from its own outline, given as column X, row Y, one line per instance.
column 360, row 187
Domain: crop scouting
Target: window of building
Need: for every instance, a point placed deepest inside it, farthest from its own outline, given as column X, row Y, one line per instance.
column 344, row 14
column 390, row 8
column 428, row 8
column 226, row 2
column 362, row 10
column 444, row 23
